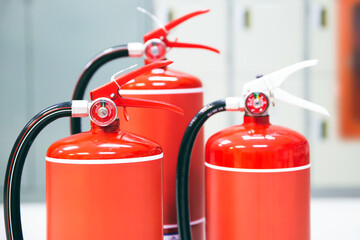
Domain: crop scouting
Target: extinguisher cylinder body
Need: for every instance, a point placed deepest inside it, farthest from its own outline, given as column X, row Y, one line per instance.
column 257, row 183
column 167, row 128
column 104, row 184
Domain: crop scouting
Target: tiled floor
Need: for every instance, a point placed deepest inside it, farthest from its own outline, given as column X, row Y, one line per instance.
column 331, row 219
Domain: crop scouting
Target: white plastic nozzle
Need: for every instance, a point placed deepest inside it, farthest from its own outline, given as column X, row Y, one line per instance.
column 80, row 108
column 135, row 49
column 234, row 104
column 270, row 85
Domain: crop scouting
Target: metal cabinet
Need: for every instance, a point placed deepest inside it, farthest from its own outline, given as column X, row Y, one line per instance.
column 258, row 37
column 267, row 36
column 335, row 159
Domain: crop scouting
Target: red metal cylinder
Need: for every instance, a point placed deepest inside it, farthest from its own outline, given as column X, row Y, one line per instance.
column 257, row 183
column 104, row 184
column 167, row 128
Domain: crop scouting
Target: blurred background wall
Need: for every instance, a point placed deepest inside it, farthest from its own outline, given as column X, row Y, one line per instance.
column 43, row 47
column 45, row 44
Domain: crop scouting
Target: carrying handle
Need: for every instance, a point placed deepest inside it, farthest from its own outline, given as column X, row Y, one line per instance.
column 111, row 90
column 162, row 32
column 270, row 85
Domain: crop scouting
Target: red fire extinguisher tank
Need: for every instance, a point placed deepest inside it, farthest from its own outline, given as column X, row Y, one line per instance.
column 257, row 183
column 104, row 184
column 167, row 128
column 172, row 87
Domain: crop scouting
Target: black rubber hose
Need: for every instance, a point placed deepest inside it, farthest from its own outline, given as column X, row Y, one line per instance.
column 183, row 164
column 16, row 163
column 89, row 70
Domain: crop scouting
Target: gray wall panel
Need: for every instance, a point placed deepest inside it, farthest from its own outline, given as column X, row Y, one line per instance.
column 52, row 41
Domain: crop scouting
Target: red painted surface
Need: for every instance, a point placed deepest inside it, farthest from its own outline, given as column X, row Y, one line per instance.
column 179, row 81
column 257, row 205
column 257, row 144
column 167, row 128
column 104, row 201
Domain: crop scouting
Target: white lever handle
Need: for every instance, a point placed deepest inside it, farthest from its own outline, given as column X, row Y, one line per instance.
column 278, row 77
column 275, row 79
column 270, row 85
column 289, row 98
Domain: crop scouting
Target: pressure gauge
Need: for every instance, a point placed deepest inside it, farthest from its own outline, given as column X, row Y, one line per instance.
column 257, row 103
column 155, row 50
column 103, row 112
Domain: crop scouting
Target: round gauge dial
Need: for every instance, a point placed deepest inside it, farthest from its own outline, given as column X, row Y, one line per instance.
column 155, row 50
column 256, row 103
column 103, row 112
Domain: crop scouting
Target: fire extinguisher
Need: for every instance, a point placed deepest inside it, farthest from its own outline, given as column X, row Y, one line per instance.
column 257, row 174
column 169, row 86
column 102, row 184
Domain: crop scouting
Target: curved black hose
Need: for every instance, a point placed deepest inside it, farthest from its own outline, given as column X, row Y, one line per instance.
column 183, row 164
column 89, row 70
column 16, row 163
